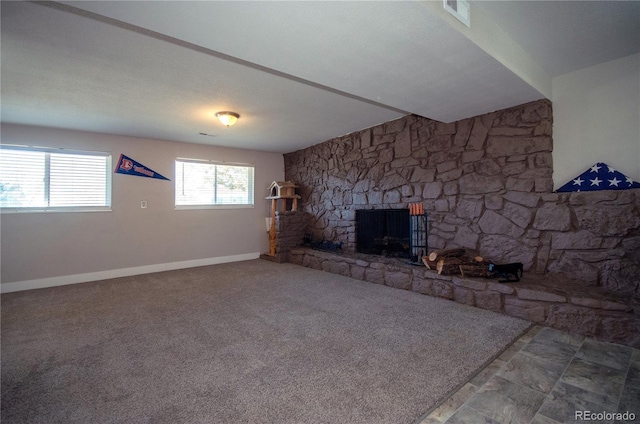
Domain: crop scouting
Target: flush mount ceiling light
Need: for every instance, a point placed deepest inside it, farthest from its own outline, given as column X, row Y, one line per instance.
column 227, row 118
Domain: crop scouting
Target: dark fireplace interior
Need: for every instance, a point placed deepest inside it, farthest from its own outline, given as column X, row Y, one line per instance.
column 383, row 232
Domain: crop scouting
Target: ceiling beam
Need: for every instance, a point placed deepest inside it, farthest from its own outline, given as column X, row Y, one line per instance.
column 490, row 37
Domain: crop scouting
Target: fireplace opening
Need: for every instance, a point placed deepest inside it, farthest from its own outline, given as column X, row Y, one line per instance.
column 397, row 233
column 383, row 232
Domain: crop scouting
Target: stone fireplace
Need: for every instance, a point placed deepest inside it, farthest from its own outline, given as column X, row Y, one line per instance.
column 486, row 185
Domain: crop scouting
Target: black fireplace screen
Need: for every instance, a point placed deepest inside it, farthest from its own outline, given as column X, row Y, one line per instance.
column 383, row 232
column 391, row 232
column 418, row 237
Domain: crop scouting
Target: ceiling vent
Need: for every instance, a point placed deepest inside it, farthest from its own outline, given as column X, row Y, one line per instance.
column 459, row 9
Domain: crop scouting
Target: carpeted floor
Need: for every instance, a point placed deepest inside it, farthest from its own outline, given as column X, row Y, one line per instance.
column 247, row 342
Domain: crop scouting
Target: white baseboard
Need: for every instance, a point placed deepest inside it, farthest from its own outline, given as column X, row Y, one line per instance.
column 122, row 272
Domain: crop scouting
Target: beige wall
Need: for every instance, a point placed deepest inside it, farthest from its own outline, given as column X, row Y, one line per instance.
column 44, row 245
column 596, row 114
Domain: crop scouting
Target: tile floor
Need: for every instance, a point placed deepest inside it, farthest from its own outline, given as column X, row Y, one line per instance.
column 544, row 378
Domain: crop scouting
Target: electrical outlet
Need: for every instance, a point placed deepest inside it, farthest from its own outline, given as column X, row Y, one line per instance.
column 143, row 203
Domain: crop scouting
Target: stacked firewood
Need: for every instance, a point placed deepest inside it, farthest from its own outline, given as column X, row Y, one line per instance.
column 457, row 262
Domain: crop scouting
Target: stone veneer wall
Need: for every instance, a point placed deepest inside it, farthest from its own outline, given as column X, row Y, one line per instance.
column 486, row 185
column 291, row 227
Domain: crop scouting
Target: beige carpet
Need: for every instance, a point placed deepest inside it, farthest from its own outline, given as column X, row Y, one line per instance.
column 248, row 342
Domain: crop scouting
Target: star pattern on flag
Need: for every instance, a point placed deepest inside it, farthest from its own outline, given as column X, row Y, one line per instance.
column 599, row 177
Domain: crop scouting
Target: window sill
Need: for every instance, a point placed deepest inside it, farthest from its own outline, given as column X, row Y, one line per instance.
column 53, row 210
column 199, row 207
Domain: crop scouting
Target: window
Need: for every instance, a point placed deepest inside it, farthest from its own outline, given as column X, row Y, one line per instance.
column 37, row 179
column 210, row 184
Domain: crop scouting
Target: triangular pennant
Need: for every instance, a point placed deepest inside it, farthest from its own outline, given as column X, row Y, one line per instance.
column 128, row 166
column 599, row 177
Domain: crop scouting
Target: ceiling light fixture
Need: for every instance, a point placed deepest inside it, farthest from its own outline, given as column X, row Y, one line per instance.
column 228, row 118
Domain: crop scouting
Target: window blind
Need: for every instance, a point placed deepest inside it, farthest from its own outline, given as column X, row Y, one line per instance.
column 52, row 179
column 78, row 180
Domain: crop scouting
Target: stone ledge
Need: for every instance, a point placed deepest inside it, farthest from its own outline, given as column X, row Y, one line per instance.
column 588, row 311
column 277, row 258
column 529, row 294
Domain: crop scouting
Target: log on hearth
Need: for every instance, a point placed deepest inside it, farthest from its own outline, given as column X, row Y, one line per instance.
column 467, row 270
column 448, row 253
column 429, row 264
column 449, row 262
column 449, row 266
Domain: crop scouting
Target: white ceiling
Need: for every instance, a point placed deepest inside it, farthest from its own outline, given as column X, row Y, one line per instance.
column 298, row 73
column 564, row 36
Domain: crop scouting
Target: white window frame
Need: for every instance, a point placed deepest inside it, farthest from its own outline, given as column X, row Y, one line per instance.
column 251, row 188
column 62, row 151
